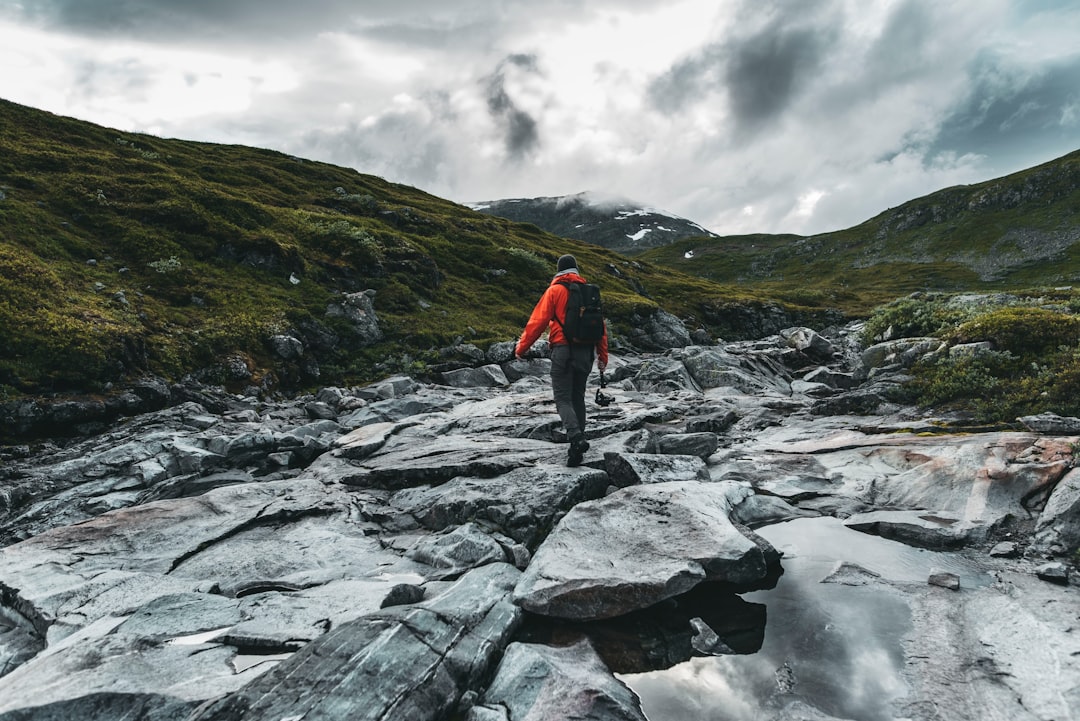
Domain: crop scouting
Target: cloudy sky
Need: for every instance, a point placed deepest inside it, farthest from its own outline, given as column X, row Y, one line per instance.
column 798, row 116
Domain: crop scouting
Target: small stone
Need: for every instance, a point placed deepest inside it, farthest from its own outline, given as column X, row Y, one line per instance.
column 851, row 574
column 319, row 410
column 283, row 459
column 946, row 580
column 403, row 594
column 1054, row 573
column 1005, row 549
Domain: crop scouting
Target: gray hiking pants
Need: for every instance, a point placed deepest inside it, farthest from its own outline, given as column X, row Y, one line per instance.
column 570, row 368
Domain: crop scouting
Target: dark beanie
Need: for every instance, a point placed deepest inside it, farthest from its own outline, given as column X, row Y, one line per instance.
column 566, row 262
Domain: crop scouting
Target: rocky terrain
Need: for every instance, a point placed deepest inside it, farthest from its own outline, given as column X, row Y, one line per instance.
column 419, row 550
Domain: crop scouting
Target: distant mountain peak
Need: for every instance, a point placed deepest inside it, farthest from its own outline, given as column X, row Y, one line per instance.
column 616, row 223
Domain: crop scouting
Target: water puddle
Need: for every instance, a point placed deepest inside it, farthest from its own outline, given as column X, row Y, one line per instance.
column 827, row 649
column 197, row 639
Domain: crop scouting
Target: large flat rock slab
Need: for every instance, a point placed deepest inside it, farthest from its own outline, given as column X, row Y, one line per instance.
column 925, row 529
column 405, row 662
column 982, row 479
column 523, row 504
column 639, row 546
column 408, row 461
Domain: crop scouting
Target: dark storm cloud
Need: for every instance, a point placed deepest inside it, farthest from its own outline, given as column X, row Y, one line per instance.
column 767, row 70
column 761, row 73
column 197, row 19
column 1012, row 111
column 688, row 80
column 901, row 52
column 520, row 130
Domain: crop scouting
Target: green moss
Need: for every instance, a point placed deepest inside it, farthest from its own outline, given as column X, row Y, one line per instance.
column 230, row 225
column 1028, row 333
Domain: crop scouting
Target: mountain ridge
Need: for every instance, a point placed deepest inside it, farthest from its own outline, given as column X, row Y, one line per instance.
column 1016, row 231
column 618, row 224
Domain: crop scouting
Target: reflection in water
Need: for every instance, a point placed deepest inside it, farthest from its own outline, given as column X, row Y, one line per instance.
column 708, row 620
column 829, row 650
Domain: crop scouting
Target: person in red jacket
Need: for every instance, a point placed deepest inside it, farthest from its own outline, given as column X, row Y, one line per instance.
column 571, row 363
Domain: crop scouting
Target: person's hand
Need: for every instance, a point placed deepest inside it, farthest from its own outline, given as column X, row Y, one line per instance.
column 601, row 366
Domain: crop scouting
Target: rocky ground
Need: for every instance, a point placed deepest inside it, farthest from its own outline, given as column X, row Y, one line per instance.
column 416, row 550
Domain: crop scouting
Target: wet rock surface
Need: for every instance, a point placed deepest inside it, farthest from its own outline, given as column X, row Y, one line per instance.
column 419, row 550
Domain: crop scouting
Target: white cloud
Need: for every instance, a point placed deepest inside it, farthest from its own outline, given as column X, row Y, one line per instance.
column 814, row 118
column 131, row 85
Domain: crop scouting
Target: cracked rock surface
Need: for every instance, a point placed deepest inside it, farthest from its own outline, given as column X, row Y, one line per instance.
column 420, row 550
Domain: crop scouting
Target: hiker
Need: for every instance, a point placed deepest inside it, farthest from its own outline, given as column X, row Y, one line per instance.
column 571, row 363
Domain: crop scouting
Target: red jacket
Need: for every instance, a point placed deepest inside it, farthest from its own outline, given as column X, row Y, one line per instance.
column 552, row 305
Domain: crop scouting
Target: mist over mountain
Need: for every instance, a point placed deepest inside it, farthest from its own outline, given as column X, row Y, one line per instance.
column 616, row 224
column 1018, row 231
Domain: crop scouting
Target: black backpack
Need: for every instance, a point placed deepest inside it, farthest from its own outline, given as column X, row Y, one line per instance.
column 584, row 314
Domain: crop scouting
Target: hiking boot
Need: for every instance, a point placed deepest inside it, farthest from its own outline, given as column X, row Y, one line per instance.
column 578, row 446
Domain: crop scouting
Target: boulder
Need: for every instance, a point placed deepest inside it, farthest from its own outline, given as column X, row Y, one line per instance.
column 663, row 375
column 464, row 548
column 515, row 370
column 631, row 469
column 809, row 342
column 1005, row 549
column 702, row 444
column 395, row 409
column 501, row 352
column 1051, row 423
column 1054, row 573
column 903, row 351
column 658, row 332
column 638, row 547
column 804, row 388
column 365, row 440
column 403, row 594
column 523, row 504
column 830, row 377
column 287, row 347
column 749, row 372
column 359, row 310
column 1058, row 526
column 939, row 530
column 567, row 683
column 489, row 376
column 712, row 422
column 944, row 579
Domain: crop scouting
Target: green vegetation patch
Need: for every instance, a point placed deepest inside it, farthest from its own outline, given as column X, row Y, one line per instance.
column 1008, row 356
column 123, row 254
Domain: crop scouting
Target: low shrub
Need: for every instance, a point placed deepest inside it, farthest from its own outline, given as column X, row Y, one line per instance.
column 1027, row 332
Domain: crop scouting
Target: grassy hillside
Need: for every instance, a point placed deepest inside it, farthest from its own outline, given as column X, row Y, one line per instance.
column 1019, row 231
column 123, row 253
